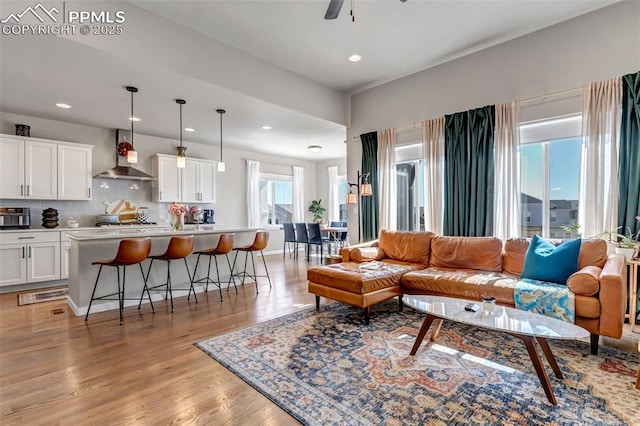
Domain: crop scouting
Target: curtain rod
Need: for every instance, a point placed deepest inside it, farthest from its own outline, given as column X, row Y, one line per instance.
column 546, row 95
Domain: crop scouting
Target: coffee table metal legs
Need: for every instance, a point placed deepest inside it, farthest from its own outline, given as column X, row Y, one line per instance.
column 529, row 342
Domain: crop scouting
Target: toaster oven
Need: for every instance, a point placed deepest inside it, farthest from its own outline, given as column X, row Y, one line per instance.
column 15, row 218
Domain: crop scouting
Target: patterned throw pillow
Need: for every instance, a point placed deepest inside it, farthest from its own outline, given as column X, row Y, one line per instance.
column 546, row 262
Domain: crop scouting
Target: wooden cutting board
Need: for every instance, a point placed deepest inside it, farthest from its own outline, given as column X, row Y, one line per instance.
column 124, row 209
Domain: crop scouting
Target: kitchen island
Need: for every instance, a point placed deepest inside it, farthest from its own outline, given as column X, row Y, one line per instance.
column 102, row 243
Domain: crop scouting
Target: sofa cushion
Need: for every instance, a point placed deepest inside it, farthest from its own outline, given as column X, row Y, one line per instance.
column 513, row 257
column 546, row 262
column 587, row 307
column 462, row 283
column 361, row 278
column 593, row 251
column 414, row 247
column 366, row 254
column 481, row 253
column 585, row 281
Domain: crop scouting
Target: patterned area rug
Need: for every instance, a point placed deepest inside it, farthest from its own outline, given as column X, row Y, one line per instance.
column 42, row 296
column 328, row 368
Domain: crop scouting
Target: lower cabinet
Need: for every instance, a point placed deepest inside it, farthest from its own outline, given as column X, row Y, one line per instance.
column 65, row 249
column 29, row 257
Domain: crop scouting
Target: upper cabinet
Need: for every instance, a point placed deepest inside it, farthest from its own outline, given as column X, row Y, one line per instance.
column 166, row 187
column 44, row 170
column 193, row 184
column 74, row 172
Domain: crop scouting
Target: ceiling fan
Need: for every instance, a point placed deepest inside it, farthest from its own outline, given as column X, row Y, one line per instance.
column 334, row 9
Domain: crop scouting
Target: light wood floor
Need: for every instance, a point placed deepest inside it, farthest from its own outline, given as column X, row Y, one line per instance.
column 57, row 369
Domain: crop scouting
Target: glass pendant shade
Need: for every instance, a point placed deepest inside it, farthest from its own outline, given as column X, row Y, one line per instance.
column 351, row 198
column 221, row 166
column 181, row 158
column 132, row 156
column 365, row 190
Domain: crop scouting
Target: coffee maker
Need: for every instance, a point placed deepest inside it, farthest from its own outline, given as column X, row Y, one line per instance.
column 208, row 216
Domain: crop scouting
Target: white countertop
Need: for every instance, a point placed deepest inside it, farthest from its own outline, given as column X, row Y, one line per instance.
column 155, row 231
column 57, row 229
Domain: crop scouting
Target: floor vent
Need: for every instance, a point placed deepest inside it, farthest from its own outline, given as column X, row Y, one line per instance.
column 57, row 311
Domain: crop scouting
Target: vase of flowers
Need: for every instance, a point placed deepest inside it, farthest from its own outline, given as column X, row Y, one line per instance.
column 177, row 212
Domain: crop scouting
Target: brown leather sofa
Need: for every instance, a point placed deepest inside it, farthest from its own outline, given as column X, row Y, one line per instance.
column 466, row 267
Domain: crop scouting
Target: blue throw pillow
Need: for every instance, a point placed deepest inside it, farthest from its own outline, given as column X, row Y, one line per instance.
column 546, row 262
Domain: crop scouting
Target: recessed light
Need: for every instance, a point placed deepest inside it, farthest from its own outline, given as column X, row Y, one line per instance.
column 267, row 127
column 355, row 58
column 189, row 129
column 314, row 148
column 134, row 119
column 65, row 106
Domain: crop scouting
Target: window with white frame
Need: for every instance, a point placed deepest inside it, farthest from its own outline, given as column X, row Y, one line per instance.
column 550, row 155
column 276, row 199
column 409, row 187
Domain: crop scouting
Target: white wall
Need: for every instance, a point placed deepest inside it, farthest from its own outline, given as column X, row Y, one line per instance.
column 230, row 206
column 594, row 47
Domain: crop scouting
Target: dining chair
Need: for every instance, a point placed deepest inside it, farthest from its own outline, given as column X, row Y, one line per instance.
column 289, row 237
column 302, row 237
column 315, row 238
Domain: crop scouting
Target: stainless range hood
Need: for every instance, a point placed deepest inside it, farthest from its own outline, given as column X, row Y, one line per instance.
column 123, row 172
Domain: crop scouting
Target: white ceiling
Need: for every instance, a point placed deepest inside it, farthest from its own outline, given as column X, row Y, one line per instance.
column 394, row 38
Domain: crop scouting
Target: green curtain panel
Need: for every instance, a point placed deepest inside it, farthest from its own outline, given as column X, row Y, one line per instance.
column 370, row 218
column 629, row 160
column 469, row 170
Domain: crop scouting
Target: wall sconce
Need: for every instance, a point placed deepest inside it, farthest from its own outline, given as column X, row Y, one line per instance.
column 363, row 189
column 181, row 158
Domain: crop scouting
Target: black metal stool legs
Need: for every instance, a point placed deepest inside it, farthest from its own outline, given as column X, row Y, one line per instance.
column 95, row 286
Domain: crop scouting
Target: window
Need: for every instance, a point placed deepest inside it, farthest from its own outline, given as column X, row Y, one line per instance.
column 342, row 189
column 409, row 188
column 550, row 176
column 276, row 199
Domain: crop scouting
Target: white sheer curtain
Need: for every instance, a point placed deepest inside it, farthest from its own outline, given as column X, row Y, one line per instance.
column 298, row 194
column 253, row 194
column 387, row 178
column 506, row 196
column 333, row 204
column 598, row 203
column 433, row 152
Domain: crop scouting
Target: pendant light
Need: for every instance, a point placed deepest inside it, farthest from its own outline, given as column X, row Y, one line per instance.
column 221, row 165
column 132, row 155
column 181, row 158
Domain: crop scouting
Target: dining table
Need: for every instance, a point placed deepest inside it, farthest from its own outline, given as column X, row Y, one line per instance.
column 334, row 233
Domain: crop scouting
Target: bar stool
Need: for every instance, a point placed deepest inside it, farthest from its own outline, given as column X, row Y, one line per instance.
column 130, row 252
column 224, row 247
column 179, row 248
column 259, row 243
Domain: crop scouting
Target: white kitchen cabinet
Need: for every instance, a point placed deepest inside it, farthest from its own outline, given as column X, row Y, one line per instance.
column 74, row 172
column 13, row 264
column 167, row 187
column 198, row 181
column 29, row 169
column 29, row 257
column 39, row 169
column 12, row 184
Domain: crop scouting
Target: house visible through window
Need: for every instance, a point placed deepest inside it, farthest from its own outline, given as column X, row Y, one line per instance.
column 276, row 199
column 550, row 176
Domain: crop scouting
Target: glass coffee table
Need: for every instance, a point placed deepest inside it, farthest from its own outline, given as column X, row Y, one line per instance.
column 528, row 326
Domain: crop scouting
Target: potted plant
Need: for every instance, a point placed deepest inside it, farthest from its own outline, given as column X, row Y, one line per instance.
column 624, row 244
column 317, row 210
